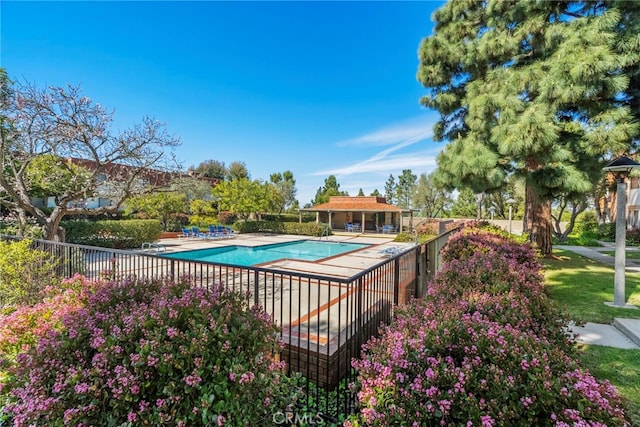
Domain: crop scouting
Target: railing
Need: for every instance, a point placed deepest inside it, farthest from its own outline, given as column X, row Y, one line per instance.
column 323, row 320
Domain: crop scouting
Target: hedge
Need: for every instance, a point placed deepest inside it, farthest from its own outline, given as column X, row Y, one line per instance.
column 122, row 234
column 296, row 228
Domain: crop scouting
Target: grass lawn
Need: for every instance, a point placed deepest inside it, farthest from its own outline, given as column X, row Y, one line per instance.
column 628, row 255
column 581, row 286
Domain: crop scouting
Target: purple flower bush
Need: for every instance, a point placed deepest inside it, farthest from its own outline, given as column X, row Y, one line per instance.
column 152, row 353
column 485, row 348
column 500, row 279
column 21, row 328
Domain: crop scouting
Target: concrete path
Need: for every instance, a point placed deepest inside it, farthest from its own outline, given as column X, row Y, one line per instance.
column 624, row 332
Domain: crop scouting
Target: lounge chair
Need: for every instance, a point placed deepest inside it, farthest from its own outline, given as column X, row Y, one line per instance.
column 230, row 233
column 197, row 233
column 390, row 251
column 214, row 232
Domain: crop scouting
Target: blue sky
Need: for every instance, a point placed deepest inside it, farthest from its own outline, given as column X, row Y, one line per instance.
column 317, row 88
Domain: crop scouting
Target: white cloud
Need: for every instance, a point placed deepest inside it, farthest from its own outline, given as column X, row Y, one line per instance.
column 400, row 136
column 415, row 129
column 384, row 164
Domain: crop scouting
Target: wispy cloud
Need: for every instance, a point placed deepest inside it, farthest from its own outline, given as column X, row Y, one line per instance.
column 399, row 136
column 414, row 129
column 386, row 164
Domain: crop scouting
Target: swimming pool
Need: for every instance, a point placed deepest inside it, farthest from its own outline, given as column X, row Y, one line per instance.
column 306, row 250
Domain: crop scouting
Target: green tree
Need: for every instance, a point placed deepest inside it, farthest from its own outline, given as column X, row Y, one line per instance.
column 465, row 205
column 163, row 206
column 330, row 188
column 192, row 187
column 242, row 197
column 405, row 189
column 390, row 190
column 285, row 185
column 376, row 193
column 536, row 89
column 431, row 200
column 61, row 123
column 360, row 192
column 211, row 169
column 237, row 170
column 513, row 189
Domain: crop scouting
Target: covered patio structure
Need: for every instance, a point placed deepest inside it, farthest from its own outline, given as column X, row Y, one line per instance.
column 369, row 213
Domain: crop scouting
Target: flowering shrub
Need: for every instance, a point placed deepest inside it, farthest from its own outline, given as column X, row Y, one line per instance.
column 22, row 328
column 443, row 367
column 502, row 279
column 484, row 348
column 474, row 239
column 155, row 353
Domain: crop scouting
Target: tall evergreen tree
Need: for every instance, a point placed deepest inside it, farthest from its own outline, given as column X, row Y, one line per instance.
column 330, row 188
column 390, row 190
column 237, row 170
column 405, row 189
column 535, row 89
column 465, row 204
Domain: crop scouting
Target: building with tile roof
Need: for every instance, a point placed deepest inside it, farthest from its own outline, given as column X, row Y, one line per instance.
column 371, row 213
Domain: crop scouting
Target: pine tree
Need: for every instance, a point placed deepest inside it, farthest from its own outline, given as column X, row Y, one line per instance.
column 535, row 89
column 390, row 190
column 406, row 188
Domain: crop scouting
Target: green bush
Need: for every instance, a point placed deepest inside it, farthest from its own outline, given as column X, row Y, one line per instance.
column 607, row 231
column 404, row 237
column 586, row 225
column 177, row 221
column 153, row 353
column 296, row 228
column 24, row 272
column 202, row 221
column 116, row 234
column 290, row 217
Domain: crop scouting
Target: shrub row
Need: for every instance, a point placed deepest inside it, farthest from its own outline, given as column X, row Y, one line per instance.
column 296, row 228
column 486, row 347
column 150, row 352
column 121, row 234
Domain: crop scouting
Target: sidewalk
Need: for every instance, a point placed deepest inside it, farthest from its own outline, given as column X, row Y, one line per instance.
column 624, row 332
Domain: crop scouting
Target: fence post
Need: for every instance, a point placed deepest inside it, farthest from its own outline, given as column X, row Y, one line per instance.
column 396, row 280
column 256, row 286
column 421, row 282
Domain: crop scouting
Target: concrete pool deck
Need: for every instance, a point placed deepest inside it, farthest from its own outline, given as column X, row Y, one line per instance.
column 344, row 265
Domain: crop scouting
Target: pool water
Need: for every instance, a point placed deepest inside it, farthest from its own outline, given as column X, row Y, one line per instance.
column 307, row 250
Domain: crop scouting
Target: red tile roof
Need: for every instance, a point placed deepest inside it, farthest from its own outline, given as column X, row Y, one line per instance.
column 357, row 203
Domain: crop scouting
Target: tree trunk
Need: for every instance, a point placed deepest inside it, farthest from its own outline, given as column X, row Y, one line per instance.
column 479, row 199
column 538, row 221
column 52, row 229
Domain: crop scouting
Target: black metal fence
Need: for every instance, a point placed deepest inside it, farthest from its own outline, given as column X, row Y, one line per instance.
column 323, row 320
